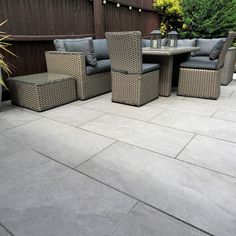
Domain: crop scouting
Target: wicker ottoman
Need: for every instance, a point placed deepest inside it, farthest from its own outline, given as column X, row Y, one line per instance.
column 43, row 91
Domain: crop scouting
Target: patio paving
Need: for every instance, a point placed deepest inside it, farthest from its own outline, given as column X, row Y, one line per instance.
column 96, row 168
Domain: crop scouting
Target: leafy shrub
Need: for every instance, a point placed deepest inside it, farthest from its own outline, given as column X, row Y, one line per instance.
column 208, row 18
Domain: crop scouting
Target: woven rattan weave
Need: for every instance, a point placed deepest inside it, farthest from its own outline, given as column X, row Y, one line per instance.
column 43, row 91
column 129, row 84
column 73, row 64
column 204, row 83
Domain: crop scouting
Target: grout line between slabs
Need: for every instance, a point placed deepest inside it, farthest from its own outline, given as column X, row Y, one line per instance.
column 6, row 229
column 95, row 155
column 121, row 220
column 124, row 193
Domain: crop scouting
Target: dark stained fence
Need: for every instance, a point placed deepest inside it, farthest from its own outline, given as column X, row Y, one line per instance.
column 34, row 24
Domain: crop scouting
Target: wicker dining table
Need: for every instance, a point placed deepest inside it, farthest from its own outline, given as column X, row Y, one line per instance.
column 165, row 57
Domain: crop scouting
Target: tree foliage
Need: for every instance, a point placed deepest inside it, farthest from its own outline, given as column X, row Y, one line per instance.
column 208, row 18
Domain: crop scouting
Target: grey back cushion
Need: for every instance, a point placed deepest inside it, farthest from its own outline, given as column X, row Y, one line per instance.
column 215, row 52
column 82, row 45
column 59, row 43
column 186, row 43
column 206, row 46
column 101, row 49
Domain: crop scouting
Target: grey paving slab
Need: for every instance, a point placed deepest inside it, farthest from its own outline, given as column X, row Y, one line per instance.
column 182, row 105
column 225, row 115
column 198, row 196
column 156, row 138
column 211, row 153
column 139, row 113
column 72, row 115
column 226, row 103
column 198, row 124
column 225, row 91
column 144, row 220
column 41, row 197
column 11, row 116
column 9, row 147
column 3, row 232
column 233, row 95
column 64, row 143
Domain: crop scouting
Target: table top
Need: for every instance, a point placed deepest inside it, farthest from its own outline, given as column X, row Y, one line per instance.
column 168, row 51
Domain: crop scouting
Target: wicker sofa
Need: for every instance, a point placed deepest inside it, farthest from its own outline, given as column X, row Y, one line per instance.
column 86, row 60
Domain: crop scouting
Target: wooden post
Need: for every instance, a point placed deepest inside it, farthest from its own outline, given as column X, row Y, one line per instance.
column 99, row 19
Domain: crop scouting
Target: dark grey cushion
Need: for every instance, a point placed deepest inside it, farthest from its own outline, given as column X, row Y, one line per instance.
column 150, row 67
column 101, row 49
column 200, row 63
column 59, row 43
column 102, row 66
column 215, row 52
column 206, row 45
column 82, row 45
column 186, row 43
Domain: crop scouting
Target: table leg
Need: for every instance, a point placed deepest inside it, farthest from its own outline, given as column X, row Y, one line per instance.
column 166, row 71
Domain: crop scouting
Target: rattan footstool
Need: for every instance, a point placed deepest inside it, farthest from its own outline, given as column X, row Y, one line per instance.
column 43, row 91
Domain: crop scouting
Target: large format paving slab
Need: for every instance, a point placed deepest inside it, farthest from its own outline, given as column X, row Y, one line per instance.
column 9, row 147
column 11, row 116
column 197, row 124
column 72, row 115
column 156, row 138
column 182, row 105
column 146, row 221
column 61, row 142
column 143, row 113
column 225, row 115
column 41, row 197
column 203, row 198
column 3, row 232
column 211, row 153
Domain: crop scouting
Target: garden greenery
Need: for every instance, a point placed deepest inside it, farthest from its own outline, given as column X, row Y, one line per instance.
column 197, row 18
column 3, row 47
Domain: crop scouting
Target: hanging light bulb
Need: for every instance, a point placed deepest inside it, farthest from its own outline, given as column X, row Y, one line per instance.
column 140, row 10
column 118, row 4
column 104, row 2
column 130, row 8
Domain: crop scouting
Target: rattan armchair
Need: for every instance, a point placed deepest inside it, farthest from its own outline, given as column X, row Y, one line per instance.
column 133, row 82
column 73, row 63
column 202, row 80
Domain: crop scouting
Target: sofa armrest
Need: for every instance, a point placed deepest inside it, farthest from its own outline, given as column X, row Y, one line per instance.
column 67, row 63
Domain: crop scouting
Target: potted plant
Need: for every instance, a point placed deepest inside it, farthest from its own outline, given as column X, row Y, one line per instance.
column 3, row 65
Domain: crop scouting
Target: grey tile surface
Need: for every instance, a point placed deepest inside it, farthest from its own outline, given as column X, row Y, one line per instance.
column 198, row 124
column 9, row 147
column 11, row 116
column 233, row 95
column 3, row 232
column 197, row 196
column 146, row 221
column 211, row 153
column 40, row 197
column 177, row 104
column 64, row 143
column 225, row 115
column 156, row 138
column 72, row 115
column 144, row 113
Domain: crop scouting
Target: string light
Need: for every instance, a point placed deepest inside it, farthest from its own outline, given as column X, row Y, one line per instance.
column 130, row 8
column 119, row 5
column 140, row 10
column 104, row 2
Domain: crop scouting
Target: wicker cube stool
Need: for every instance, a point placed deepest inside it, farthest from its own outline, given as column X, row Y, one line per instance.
column 43, row 91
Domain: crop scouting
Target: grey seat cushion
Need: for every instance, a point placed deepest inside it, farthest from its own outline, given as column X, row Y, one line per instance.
column 206, row 46
column 215, row 52
column 59, row 43
column 101, row 49
column 200, row 63
column 101, row 67
column 82, row 45
column 186, row 43
column 150, row 67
